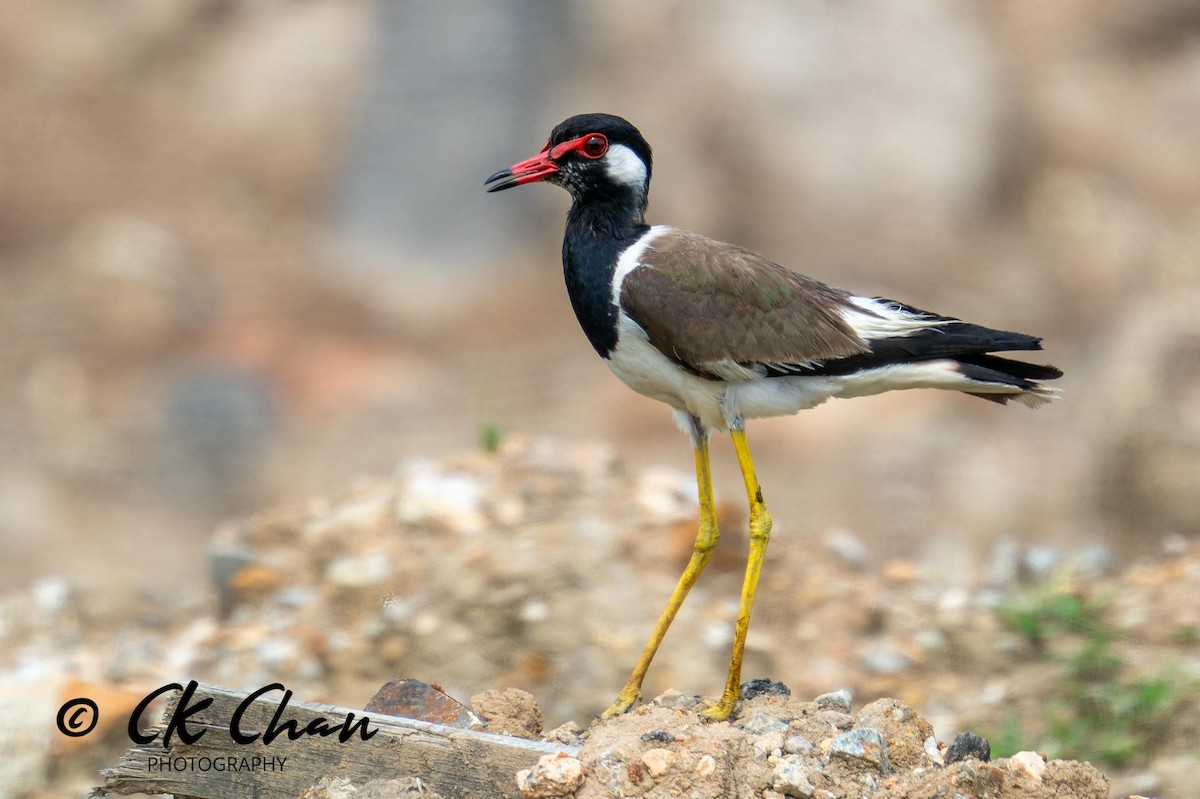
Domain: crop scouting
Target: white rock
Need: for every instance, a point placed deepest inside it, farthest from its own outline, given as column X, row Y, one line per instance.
column 1029, row 763
column 452, row 499
column 359, row 571
column 553, row 776
column 658, row 761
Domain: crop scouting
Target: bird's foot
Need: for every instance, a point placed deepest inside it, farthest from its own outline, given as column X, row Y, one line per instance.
column 625, row 700
column 722, row 709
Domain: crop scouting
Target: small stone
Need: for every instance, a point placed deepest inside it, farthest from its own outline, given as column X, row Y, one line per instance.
column 848, row 547
column 673, row 698
column 761, row 722
column 706, row 767
column 658, row 761
column 763, row 687
column 553, row 776
column 900, row 570
column 51, row 595
column 1041, row 561
column 659, row 736
column 569, row 733
column 842, row 721
column 885, row 661
column 835, row 700
column 433, row 495
column 256, row 579
column 768, row 742
column 1094, row 562
column 968, row 746
column 798, row 745
column 358, row 570
column 790, row 778
column 862, row 743
column 1031, row 764
column 932, row 751
column 931, row 640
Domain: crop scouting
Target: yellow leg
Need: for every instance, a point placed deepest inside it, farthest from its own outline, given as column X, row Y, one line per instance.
column 760, row 535
column 706, row 542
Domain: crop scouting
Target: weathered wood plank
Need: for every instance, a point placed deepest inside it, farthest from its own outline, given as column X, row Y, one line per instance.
column 453, row 762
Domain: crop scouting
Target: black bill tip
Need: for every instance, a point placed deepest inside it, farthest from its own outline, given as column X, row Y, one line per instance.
column 506, row 178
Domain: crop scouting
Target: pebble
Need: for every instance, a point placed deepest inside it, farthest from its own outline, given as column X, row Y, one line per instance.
column 968, row 746
column 885, row 661
column 569, row 733
column 51, row 595
column 1094, row 562
column 761, row 722
column 1030, row 764
column 658, row 761
column 553, row 776
column 666, row 495
column 932, row 751
column 1041, row 561
column 769, row 742
column 849, row 547
column 836, row 700
column 763, row 687
column 674, row 698
column 706, row 767
column 358, row 570
column 842, row 721
column 862, row 743
column 798, row 745
column 431, row 495
column 790, row 778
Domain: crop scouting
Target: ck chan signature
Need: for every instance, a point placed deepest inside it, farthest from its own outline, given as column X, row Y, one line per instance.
column 78, row 717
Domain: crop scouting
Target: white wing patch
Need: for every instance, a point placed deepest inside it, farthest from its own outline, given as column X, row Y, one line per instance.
column 631, row 258
column 875, row 318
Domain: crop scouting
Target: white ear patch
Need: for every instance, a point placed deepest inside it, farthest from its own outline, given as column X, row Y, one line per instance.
column 624, row 167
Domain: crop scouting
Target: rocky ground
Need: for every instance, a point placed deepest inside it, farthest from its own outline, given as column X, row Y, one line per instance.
column 775, row 746
column 542, row 567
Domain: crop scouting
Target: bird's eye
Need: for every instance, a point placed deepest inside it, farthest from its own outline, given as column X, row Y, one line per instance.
column 594, row 146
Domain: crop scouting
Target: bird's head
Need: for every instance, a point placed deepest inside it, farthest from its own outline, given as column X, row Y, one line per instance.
column 593, row 156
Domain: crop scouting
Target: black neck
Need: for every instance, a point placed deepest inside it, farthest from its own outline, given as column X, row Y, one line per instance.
column 599, row 229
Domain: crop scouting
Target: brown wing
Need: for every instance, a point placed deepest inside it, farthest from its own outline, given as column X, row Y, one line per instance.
column 707, row 304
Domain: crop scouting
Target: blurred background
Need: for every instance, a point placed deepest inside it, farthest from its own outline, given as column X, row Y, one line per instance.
column 245, row 254
column 246, row 258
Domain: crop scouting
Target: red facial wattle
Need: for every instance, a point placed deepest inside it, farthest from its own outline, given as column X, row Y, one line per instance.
column 532, row 170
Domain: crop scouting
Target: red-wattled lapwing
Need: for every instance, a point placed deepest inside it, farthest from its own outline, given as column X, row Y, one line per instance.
column 723, row 335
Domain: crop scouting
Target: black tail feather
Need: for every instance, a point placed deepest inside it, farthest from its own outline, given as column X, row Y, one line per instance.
column 1007, row 366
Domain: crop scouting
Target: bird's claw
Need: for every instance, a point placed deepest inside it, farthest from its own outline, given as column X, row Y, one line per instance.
column 625, row 700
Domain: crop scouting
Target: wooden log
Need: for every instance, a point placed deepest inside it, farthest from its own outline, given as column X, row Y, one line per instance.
column 219, row 763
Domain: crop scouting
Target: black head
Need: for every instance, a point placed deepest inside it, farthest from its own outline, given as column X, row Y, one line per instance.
column 593, row 156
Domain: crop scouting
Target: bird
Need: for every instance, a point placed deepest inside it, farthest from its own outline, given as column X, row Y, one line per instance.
column 723, row 335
